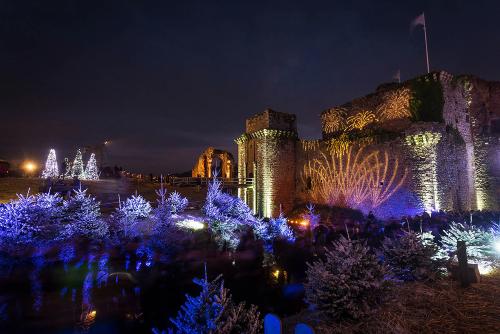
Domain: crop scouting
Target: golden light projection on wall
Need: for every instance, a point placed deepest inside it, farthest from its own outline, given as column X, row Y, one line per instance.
column 333, row 120
column 339, row 146
column 360, row 120
column 395, row 105
column 354, row 178
column 424, row 152
column 309, row 145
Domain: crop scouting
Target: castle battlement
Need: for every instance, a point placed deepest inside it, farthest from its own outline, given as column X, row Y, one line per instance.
column 429, row 143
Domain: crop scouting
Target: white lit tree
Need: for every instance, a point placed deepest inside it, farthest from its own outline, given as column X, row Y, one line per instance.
column 51, row 170
column 77, row 168
column 91, row 172
column 67, row 167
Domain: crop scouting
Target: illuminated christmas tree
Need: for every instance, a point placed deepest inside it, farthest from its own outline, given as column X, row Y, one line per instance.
column 77, row 168
column 67, row 168
column 91, row 172
column 51, row 169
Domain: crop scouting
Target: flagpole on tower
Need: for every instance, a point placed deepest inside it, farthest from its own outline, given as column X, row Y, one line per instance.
column 426, row 49
column 420, row 21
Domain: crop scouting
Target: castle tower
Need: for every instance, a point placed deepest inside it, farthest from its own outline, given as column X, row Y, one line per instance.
column 266, row 153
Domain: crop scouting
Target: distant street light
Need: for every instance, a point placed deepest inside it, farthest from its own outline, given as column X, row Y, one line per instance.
column 29, row 167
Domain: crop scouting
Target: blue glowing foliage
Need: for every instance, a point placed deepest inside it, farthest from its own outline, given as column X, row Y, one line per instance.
column 161, row 214
column 224, row 207
column 275, row 229
column 130, row 215
column 135, row 206
column 479, row 242
column 226, row 233
column 66, row 254
column 82, row 215
column 201, row 314
column 30, row 217
column 176, row 203
column 213, row 311
column 313, row 218
column 226, row 215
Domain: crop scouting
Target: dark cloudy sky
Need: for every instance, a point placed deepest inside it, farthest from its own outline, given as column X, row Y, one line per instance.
column 165, row 79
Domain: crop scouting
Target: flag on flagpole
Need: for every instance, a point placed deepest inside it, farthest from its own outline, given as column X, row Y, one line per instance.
column 418, row 21
column 397, row 76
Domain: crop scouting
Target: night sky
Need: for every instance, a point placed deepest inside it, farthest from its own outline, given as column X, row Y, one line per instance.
column 163, row 80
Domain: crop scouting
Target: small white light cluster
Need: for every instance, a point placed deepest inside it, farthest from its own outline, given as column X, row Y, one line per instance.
column 191, row 224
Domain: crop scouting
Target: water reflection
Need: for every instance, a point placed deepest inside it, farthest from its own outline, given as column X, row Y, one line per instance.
column 35, row 282
column 103, row 271
column 66, row 254
column 74, row 280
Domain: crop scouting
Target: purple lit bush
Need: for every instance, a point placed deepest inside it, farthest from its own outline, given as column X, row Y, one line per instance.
column 82, row 216
column 30, row 218
column 214, row 311
column 176, row 203
column 275, row 229
column 131, row 216
column 227, row 215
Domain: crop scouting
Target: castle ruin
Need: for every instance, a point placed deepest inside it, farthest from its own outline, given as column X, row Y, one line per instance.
column 427, row 144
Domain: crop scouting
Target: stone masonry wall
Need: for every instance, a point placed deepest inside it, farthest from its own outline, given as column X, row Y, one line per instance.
column 431, row 143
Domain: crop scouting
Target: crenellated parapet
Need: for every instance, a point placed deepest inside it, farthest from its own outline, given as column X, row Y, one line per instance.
column 426, row 144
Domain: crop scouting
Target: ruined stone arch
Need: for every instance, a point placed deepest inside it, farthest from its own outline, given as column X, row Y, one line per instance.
column 211, row 159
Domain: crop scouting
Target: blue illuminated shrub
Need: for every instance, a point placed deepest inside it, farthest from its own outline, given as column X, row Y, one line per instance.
column 214, row 311
column 274, row 229
column 227, row 215
column 82, row 215
column 176, row 203
column 30, row 218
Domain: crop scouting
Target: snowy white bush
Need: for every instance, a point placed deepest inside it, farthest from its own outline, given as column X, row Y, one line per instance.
column 223, row 207
column 226, row 233
column 312, row 217
column 348, row 283
column 227, row 215
column 30, row 217
column 479, row 243
column 275, row 229
column 176, row 203
column 130, row 216
column 413, row 257
column 214, row 311
column 161, row 215
column 82, row 215
column 135, row 206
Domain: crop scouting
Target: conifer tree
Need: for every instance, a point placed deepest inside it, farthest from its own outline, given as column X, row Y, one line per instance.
column 67, row 168
column 51, row 170
column 77, row 168
column 91, row 172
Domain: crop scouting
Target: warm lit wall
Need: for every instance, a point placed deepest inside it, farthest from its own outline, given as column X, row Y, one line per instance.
column 430, row 143
column 211, row 159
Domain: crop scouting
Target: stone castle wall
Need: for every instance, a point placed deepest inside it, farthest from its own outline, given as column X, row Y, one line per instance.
column 214, row 159
column 266, row 152
column 430, row 143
